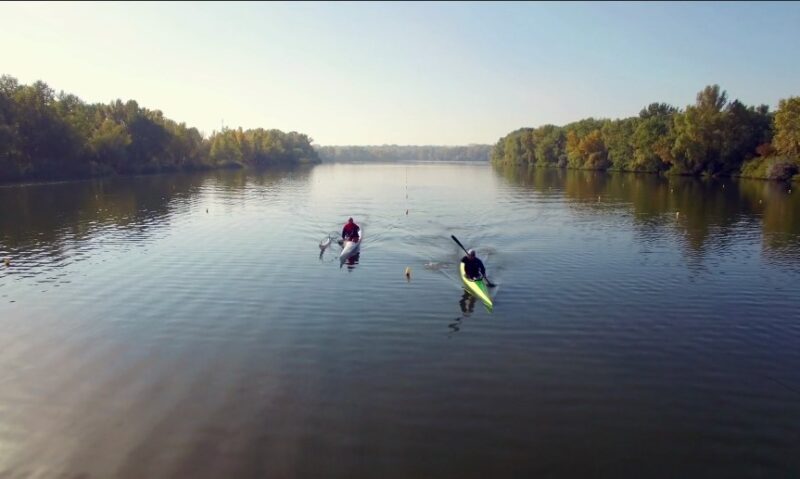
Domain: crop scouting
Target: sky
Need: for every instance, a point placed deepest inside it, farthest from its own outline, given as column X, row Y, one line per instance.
column 414, row 73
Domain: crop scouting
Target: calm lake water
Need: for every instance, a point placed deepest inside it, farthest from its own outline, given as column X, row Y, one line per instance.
column 187, row 326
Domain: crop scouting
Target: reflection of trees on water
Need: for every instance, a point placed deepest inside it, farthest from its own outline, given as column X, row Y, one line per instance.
column 704, row 214
column 47, row 220
column 234, row 188
column 780, row 216
column 46, row 215
column 241, row 179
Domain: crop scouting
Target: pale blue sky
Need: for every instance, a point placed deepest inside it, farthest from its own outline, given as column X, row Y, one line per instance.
column 405, row 73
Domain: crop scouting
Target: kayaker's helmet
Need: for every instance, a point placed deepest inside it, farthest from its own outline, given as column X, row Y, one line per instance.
column 350, row 220
column 471, row 253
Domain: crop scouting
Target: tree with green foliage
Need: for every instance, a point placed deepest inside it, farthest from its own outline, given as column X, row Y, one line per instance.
column 711, row 137
column 780, row 159
column 787, row 127
column 653, row 138
column 618, row 137
column 574, row 158
column 744, row 129
column 593, row 150
column 49, row 136
column 550, row 142
column 699, row 130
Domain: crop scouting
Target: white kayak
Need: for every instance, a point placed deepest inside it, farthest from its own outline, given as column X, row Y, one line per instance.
column 349, row 248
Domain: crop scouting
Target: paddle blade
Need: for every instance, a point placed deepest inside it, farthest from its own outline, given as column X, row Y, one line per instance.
column 458, row 242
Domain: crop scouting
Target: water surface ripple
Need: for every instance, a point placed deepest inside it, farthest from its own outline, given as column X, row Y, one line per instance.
column 187, row 326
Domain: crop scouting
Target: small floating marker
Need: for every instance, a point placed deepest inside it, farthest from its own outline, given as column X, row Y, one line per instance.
column 7, row 262
column 206, row 210
column 406, row 212
column 407, row 273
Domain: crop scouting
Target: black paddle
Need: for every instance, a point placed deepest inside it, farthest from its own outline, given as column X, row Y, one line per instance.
column 488, row 283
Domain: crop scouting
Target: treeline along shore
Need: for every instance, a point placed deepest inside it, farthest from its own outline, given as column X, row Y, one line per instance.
column 713, row 137
column 48, row 136
column 404, row 153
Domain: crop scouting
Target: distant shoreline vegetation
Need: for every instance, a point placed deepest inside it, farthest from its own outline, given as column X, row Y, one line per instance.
column 713, row 137
column 44, row 136
column 397, row 153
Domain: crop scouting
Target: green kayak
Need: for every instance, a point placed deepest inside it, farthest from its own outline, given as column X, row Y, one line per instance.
column 476, row 288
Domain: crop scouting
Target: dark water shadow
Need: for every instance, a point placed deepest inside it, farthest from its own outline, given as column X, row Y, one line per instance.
column 351, row 262
column 704, row 214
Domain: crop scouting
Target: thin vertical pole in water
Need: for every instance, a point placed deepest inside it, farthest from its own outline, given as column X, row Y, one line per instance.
column 406, row 190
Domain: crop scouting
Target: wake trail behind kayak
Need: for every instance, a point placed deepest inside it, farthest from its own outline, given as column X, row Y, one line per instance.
column 455, row 282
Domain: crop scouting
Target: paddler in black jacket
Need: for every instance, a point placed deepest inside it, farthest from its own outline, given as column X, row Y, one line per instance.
column 473, row 267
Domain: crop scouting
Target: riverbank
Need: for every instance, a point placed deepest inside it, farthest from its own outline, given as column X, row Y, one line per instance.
column 713, row 137
column 48, row 136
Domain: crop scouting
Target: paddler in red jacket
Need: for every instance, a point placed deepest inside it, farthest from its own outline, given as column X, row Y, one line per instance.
column 351, row 231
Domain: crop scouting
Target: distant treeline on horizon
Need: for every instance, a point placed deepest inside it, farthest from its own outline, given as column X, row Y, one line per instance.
column 398, row 153
column 713, row 137
column 45, row 136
